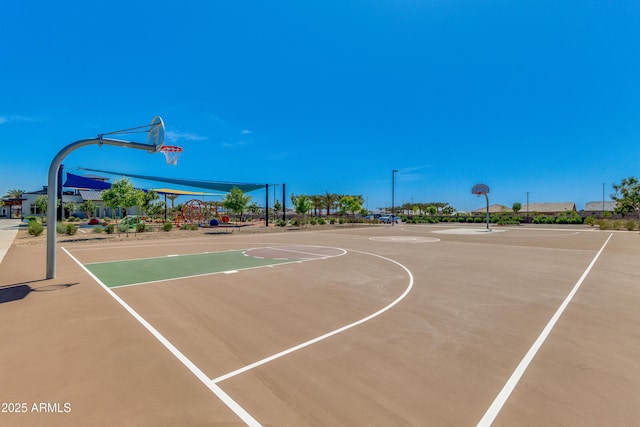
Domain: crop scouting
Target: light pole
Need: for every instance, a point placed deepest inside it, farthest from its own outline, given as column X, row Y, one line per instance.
column 527, row 207
column 393, row 189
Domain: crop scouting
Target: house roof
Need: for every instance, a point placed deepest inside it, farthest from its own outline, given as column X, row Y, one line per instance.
column 549, row 207
column 94, row 196
column 597, row 206
column 495, row 208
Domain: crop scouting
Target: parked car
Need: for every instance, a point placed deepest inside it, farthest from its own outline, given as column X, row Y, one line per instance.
column 388, row 219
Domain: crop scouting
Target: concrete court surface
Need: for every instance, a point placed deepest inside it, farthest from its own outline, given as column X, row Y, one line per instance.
column 71, row 355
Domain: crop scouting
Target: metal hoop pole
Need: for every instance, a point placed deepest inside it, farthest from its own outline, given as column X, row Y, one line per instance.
column 52, row 187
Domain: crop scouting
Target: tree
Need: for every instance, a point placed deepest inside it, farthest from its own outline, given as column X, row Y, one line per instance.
column 236, row 201
column 432, row 210
column 627, row 196
column 15, row 194
column 317, row 202
column 88, row 208
column 277, row 207
column 303, row 205
column 41, row 204
column 173, row 198
column 329, row 200
column 121, row 195
column 69, row 207
column 350, row 204
column 150, row 203
column 516, row 207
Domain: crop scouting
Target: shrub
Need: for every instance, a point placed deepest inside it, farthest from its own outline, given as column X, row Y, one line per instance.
column 332, row 221
column 71, row 229
column 109, row 228
column 631, row 225
column 35, row 228
column 141, row 227
column 341, row 221
column 281, row 223
column 167, row 226
column 321, row 221
column 617, row 224
column 30, row 218
column 590, row 220
column 313, row 221
column 98, row 230
column 602, row 224
column 61, row 228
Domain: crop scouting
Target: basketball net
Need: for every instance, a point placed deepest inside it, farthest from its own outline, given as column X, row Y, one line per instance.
column 171, row 153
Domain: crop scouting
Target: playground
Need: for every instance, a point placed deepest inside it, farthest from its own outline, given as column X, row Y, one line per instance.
column 376, row 325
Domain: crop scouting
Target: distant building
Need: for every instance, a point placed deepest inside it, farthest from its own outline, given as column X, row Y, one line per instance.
column 598, row 208
column 492, row 210
column 76, row 189
column 552, row 208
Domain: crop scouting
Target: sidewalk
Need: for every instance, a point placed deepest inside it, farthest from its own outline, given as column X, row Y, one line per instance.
column 8, row 231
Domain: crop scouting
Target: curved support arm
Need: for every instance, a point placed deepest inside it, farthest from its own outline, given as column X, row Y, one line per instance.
column 52, row 189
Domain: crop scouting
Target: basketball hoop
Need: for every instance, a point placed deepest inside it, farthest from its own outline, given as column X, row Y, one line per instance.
column 480, row 189
column 171, row 153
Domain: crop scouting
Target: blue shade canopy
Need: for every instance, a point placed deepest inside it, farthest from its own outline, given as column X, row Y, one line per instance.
column 210, row 185
column 77, row 181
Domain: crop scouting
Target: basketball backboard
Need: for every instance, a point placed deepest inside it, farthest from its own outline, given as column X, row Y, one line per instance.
column 155, row 137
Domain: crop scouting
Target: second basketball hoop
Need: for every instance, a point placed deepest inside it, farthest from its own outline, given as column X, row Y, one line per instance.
column 171, row 153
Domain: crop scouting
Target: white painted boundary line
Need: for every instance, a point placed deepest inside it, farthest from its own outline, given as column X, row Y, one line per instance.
column 327, row 335
column 237, row 409
column 508, row 388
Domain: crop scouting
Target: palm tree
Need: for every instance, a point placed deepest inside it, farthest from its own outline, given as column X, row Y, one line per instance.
column 15, row 194
column 173, row 198
column 316, row 202
column 329, row 200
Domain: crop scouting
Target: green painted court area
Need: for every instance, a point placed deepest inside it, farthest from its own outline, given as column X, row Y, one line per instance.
column 129, row 272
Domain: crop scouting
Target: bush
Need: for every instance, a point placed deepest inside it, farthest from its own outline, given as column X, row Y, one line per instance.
column 109, row 228
column 617, row 224
column 167, row 226
column 141, row 227
column 332, row 221
column 35, row 228
column 321, row 221
column 631, row 225
column 30, row 218
column 602, row 224
column 71, row 229
column 61, row 228
column 313, row 221
column 98, row 230
column 281, row 223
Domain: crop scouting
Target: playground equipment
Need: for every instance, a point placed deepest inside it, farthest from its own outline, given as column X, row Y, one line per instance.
column 199, row 212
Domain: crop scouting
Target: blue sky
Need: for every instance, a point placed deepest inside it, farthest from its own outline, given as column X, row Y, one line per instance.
column 525, row 96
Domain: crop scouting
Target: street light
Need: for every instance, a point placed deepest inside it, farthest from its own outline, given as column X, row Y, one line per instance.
column 393, row 189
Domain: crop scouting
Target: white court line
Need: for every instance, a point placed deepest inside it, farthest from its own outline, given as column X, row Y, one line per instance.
column 284, row 249
column 504, row 394
column 231, row 404
column 327, row 335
